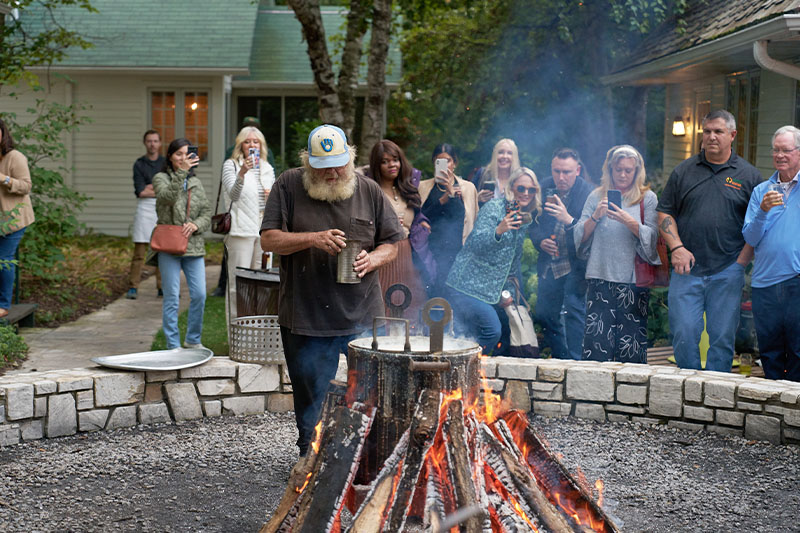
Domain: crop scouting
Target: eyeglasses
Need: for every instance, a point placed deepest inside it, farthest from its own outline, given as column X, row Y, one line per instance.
column 779, row 151
column 530, row 190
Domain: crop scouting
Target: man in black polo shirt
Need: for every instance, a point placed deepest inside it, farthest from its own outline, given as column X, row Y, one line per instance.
column 310, row 213
column 700, row 216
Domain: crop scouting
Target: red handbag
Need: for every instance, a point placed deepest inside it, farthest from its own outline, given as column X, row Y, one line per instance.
column 648, row 275
column 169, row 238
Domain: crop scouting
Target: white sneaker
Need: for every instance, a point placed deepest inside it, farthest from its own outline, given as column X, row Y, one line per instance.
column 190, row 346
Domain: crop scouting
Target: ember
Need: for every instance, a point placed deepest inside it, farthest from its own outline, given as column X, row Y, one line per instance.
column 457, row 453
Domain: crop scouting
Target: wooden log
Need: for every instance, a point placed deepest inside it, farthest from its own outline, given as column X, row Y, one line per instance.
column 370, row 516
column 341, row 447
column 423, row 428
column 461, row 464
column 551, row 475
column 297, row 478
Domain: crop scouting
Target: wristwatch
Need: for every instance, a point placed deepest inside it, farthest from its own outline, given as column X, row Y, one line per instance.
column 7, row 180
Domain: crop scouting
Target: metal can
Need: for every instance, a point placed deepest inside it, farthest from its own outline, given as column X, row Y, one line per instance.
column 345, row 273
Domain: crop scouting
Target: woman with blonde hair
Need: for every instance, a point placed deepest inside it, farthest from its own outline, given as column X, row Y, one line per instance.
column 491, row 254
column 611, row 236
column 492, row 179
column 247, row 178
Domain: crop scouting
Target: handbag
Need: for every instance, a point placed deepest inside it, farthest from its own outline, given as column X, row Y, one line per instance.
column 523, row 342
column 221, row 223
column 648, row 275
column 169, row 238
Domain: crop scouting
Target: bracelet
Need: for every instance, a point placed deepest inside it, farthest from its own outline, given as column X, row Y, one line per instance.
column 596, row 221
column 677, row 247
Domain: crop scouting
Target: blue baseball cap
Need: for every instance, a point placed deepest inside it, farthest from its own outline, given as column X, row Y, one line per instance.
column 327, row 147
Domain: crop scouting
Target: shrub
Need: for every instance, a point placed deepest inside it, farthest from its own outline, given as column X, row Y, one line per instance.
column 12, row 346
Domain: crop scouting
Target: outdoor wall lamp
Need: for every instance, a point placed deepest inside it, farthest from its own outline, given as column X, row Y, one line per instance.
column 678, row 127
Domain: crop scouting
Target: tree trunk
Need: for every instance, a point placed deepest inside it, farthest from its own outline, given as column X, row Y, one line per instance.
column 372, row 128
column 307, row 12
column 351, row 60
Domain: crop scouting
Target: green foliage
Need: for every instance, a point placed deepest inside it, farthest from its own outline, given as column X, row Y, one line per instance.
column 12, row 346
column 24, row 44
column 215, row 331
column 298, row 140
column 476, row 71
column 658, row 318
column 530, row 255
column 55, row 204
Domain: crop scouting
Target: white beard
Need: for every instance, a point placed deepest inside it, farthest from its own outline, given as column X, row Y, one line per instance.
column 320, row 190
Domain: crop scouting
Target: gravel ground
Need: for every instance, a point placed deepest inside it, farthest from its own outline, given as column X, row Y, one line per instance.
column 228, row 474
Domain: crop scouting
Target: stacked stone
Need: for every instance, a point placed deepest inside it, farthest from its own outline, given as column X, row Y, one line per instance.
column 730, row 404
column 64, row 402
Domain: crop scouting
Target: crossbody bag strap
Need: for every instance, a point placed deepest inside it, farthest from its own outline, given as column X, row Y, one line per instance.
column 641, row 210
column 219, row 192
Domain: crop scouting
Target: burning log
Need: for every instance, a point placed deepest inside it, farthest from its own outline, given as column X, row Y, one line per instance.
column 461, row 464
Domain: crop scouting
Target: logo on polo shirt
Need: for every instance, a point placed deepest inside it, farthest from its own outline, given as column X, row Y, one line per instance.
column 733, row 183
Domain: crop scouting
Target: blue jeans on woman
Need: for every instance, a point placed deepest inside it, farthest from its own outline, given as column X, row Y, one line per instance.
column 720, row 296
column 475, row 319
column 194, row 268
column 8, row 248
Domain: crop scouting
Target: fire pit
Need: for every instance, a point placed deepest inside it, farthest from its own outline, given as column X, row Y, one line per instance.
column 414, row 443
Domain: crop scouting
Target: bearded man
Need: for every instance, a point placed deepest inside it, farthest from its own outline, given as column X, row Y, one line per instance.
column 310, row 213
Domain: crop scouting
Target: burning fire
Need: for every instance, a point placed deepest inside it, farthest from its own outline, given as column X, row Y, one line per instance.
column 599, row 485
column 317, row 437
column 298, row 490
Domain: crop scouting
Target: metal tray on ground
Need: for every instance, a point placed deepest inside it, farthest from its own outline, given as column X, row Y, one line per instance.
column 175, row 359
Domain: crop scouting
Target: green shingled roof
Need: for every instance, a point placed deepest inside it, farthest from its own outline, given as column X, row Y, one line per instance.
column 280, row 52
column 159, row 33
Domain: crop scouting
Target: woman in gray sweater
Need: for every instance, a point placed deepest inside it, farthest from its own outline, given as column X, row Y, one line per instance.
column 610, row 237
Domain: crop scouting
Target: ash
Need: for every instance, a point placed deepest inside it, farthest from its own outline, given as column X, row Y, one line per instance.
column 228, row 474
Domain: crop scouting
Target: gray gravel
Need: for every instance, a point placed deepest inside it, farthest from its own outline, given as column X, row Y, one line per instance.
column 228, row 474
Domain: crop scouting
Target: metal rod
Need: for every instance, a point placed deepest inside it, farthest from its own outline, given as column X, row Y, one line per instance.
column 429, row 366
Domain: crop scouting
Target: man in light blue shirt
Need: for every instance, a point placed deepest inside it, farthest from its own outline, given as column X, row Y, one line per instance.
column 771, row 226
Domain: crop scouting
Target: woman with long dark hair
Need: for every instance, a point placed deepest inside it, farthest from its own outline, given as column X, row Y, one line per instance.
column 16, row 211
column 451, row 205
column 389, row 167
column 176, row 187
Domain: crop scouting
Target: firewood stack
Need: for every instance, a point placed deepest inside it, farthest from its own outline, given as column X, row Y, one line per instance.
column 458, row 464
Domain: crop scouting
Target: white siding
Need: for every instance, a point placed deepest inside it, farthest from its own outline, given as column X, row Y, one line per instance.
column 776, row 109
column 103, row 152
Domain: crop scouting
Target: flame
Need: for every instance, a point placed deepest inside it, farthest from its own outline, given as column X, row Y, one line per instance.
column 352, row 385
column 599, row 485
column 317, row 437
column 299, row 490
column 493, row 482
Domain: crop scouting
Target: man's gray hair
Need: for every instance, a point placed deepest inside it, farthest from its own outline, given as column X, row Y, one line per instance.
column 787, row 129
column 730, row 122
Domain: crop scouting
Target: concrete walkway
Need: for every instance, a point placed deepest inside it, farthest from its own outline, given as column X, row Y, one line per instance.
column 123, row 326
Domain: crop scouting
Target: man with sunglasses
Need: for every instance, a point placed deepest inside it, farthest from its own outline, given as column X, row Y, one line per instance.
column 562, row 275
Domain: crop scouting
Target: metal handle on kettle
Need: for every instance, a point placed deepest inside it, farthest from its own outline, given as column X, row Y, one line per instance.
column 406, row 346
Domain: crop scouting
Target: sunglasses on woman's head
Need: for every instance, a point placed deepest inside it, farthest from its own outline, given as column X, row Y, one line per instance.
column 530, row 190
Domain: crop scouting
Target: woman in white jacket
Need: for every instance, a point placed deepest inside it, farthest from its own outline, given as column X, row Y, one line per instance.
column 247, row 178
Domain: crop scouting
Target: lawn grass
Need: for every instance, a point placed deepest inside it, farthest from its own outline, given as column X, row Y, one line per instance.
column 215, row 333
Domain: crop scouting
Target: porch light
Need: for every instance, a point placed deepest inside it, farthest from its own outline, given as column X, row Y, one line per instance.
column 194, row 108
column 678, row 127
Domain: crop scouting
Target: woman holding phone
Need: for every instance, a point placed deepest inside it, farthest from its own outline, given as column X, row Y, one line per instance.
column 16, row 211
column 492, row 179
column 247, row 178
column 398, row 180
column 451, row 205
column 491, row 254
column 177, row 187
column 617, row 224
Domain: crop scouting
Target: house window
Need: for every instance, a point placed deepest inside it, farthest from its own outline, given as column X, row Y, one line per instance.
column 742, row 101
column 191, row 123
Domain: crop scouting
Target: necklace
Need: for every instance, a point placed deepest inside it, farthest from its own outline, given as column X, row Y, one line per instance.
column 394, row 192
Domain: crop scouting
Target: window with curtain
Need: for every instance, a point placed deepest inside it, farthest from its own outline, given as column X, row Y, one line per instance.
column 742, row 102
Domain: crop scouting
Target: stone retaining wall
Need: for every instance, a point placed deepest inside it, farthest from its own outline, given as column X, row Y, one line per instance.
column 64, row 402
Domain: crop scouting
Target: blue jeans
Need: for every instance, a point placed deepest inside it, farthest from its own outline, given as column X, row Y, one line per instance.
column 312, row 364
column 194, row 268
column 777, row 317
column 475, row 319
column 565, row 339
column 8, row 248
column 720, row 296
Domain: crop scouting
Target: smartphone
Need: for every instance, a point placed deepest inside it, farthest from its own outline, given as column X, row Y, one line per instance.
column 255, row 155
column 191, row 150
column 441, row 167
column 550, row 196
column 615, row 197
column 488, row 186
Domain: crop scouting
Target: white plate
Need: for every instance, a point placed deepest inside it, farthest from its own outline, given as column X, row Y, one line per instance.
column 175, row 359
